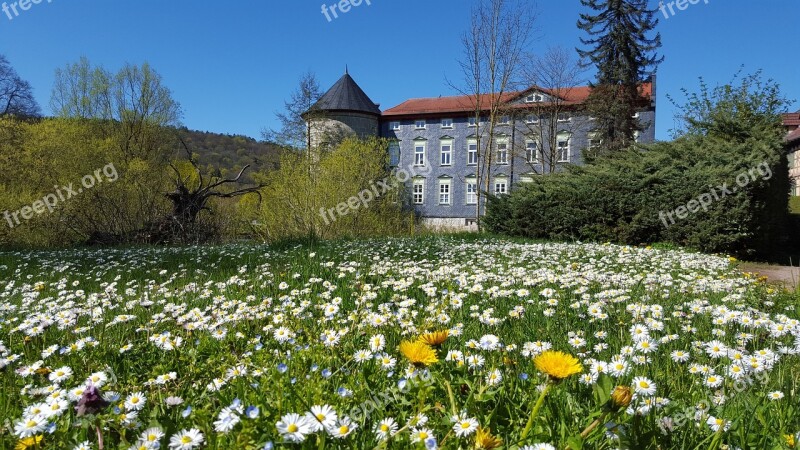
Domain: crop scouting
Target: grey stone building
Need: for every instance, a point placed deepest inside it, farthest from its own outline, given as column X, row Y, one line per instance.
column 436, row 141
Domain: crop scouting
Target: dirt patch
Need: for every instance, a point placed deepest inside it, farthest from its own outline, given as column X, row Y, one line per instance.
column 785, row 275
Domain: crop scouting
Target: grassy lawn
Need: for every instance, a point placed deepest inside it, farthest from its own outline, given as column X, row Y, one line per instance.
column 794, row 205
column 231, row 347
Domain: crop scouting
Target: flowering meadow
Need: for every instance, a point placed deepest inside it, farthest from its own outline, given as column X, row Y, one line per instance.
column 437, row 342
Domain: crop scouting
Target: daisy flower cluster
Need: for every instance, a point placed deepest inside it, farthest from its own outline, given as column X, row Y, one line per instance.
column 436, row 342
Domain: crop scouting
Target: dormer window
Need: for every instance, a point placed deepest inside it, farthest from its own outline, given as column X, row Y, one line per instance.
column 472, row 121
column 534, row 98
column 394, row 126
column 447, row 123
column 420, row 124
column 505, row 120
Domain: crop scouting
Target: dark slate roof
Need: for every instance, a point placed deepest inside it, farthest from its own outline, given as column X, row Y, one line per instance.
column 346, row 95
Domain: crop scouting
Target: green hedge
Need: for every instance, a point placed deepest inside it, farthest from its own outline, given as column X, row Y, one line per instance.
column 628, row 198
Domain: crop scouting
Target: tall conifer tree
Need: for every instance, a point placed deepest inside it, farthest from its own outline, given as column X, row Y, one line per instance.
column 619, row 44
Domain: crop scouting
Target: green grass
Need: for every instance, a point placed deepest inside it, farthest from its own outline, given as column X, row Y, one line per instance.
column 794, row 204
column 248, row 323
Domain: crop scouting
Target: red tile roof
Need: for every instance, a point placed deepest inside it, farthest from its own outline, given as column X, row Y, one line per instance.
column 466, row 103
column 791, row 120
column 793, row 136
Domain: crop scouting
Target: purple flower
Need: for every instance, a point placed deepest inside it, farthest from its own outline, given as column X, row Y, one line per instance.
column 91, row 402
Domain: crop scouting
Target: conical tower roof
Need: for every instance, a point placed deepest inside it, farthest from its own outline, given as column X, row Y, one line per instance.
column 346, row 95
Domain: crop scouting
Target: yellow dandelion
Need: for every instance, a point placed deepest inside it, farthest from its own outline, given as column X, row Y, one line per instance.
column 28, row 442
column 557, row 365
column 485, row 440
column 418, row 353
column 435, row 338
column 789, row 440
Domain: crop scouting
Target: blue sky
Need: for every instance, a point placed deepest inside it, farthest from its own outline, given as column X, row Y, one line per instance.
column 231, row 64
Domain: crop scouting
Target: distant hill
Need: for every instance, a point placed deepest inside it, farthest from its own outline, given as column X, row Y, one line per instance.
column 229, row 153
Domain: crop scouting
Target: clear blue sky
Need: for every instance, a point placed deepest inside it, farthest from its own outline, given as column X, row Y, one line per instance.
column 232, row 63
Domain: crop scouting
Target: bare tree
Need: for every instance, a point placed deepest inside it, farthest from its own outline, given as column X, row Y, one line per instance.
column 189, row 197
column 553, row 112
column 16, row 95
column 296, row 124
column 494, row 47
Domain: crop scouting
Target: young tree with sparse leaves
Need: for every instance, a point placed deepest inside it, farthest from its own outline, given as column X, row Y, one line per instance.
column 296, row 122
column 494, row 48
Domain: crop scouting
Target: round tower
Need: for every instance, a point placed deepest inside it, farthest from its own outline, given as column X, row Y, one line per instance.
column 344, row 110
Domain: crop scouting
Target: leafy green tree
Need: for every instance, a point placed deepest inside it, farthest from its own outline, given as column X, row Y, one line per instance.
column 134, row 113
column 621, row 47
column 722, row 186
column 346, row 191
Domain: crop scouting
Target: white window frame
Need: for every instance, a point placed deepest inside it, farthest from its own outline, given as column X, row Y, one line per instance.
column 417, row 145
column 536, row 156
column 418, row 191
column 526, row 178
column 505, row 120
column 417, row 123
column 394, row 126
column 498, row 183
column 503, row 160
column 471, row 122
column 569, row 117
column 532, row 118
column 445, row 191
column 445, row 123
column 563, row 138
column 470, row 143
column 449, row 153
column 471, row 189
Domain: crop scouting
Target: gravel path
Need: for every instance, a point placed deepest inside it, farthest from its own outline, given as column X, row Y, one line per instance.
column 788, row 276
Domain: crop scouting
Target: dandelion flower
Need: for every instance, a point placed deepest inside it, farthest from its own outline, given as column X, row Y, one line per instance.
column 28, row 442
column 557, row 365
column 418, row 353
column 485, row 440
column 435, row 338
